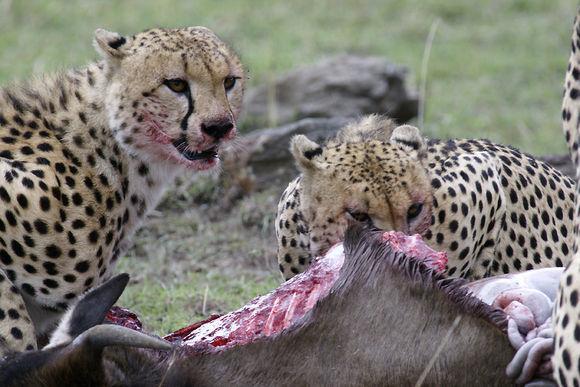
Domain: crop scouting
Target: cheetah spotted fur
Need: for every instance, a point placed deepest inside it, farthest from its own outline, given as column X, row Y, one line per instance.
column 566, row 317
column 492, row 208
column 86, row 154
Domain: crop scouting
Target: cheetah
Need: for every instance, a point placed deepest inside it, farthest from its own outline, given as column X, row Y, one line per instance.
column 86, row 154
column 566, row 314
column 491, row 207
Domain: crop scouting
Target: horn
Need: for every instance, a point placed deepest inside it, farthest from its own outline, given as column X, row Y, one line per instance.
column 107, row 335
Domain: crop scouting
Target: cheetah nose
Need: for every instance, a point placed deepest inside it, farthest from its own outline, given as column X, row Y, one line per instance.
column 217, row 130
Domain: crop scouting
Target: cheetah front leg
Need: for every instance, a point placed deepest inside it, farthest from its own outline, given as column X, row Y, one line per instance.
column 16, row 328
column 292, row 233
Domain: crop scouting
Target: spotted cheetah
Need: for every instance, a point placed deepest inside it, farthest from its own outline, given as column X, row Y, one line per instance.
column 492, row 208
column 86, row 154
column 566, row 316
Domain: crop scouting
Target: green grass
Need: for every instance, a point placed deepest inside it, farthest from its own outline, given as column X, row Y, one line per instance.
column 496, row 67
column 496, row 71
column 177, row 304
column 187, row 249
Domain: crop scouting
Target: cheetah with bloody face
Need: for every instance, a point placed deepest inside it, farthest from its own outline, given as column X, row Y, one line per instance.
column 492, row 208
column 86, row 154
column 566, row 317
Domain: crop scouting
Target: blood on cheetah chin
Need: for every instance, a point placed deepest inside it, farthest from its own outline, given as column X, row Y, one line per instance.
column 270, row 314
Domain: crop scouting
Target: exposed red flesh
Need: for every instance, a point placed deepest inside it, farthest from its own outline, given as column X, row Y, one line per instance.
column 181, row 333
column 413, row 246
column 273, row 312
column 270, row 314
column 124, row 317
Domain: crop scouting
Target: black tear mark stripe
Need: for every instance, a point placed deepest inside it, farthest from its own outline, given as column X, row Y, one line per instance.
column 190, row 106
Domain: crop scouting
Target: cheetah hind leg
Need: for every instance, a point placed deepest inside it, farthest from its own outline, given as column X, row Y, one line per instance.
column 17, row 332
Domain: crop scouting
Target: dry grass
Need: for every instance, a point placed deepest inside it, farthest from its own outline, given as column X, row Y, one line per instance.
column 191, row 261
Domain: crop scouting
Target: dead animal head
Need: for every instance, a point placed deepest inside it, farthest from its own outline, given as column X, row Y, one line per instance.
column 74, row 356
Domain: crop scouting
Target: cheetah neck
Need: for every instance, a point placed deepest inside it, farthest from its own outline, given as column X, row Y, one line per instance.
column 73, row 107
column 142, row 181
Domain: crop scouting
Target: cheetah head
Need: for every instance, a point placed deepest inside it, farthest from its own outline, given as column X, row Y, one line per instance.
column 171, row 95
column 381, row 183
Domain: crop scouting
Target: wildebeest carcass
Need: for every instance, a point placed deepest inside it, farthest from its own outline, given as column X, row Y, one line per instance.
column 387, row 320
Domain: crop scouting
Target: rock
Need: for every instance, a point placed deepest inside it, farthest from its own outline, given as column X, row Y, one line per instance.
column 341, row 86
column 563, row 163
column 264, row 157
column 262, row 161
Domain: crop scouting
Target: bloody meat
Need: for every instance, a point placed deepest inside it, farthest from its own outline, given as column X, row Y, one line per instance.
column 270, row 314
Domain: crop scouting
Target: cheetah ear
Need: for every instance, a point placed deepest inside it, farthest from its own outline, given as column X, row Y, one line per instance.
column 409, row 137
column 110, row 45
column 306, row 152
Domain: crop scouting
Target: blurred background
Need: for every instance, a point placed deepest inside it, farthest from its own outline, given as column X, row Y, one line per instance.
column 495, row 70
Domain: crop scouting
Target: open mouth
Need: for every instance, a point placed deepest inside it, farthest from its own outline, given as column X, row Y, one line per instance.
column 208, row 154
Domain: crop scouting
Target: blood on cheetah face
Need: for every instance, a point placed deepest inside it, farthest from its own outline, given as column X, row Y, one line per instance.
column 172, row 95
column 383, row 184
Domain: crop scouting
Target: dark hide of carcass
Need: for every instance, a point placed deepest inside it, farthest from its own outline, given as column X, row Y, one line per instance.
column 388, row 320
column 79, row 360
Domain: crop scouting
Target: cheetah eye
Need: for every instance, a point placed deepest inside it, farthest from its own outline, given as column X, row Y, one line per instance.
column 177, row 85
column 229, row 83
column 362, row 217
column 414, row 210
